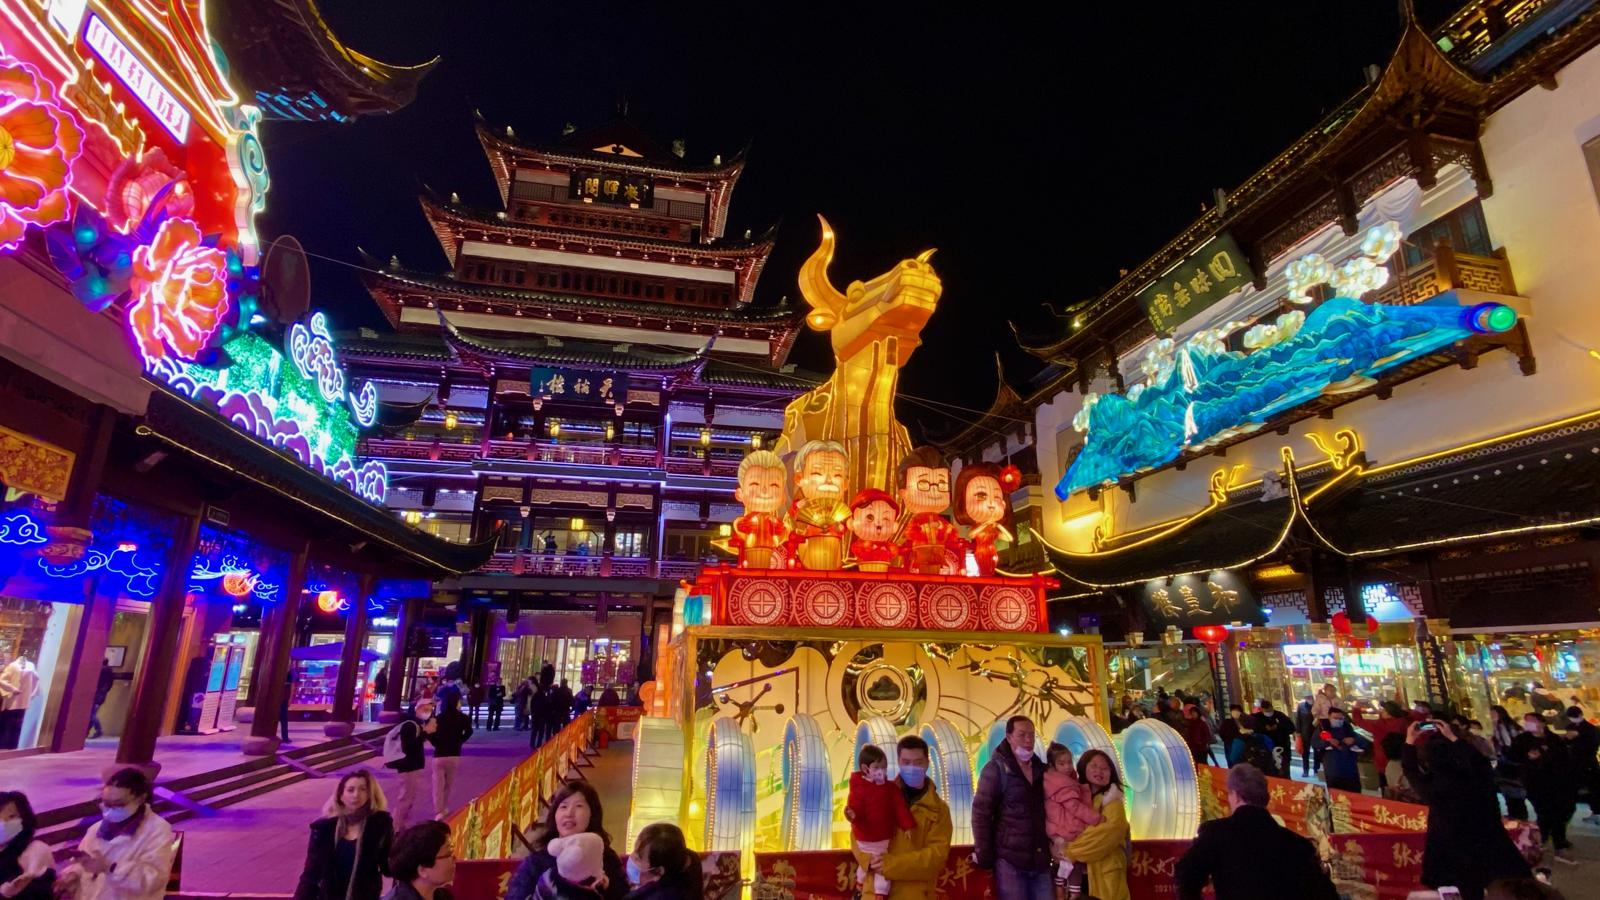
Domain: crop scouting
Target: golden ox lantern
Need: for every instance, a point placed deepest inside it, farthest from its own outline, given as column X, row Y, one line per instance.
column 874, row 327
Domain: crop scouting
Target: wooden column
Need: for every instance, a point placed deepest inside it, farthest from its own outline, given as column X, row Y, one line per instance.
column 274, row 653
column 410, row 616
column 345, row 694
column 477, row 647
column 146, row 710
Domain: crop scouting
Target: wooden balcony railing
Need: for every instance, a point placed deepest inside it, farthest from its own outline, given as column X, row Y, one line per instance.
column 1448, row 270
column 689, row 465
column 553, row 564
column 575, row 454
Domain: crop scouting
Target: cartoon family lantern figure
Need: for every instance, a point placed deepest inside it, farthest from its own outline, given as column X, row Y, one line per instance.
column 874, row 532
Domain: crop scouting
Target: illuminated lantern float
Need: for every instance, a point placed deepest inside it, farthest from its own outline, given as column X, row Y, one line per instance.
column 857, row 612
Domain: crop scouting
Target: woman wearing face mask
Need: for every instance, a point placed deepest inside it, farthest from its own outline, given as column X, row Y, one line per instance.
column 574, row 809
column 1103, row 848
column 663, row 867
column 27, row 870
column 349, row 850
column 1549, row 776
column 128, row 855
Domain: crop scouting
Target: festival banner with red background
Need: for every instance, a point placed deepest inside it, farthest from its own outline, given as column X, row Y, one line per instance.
column 1313, row 809
column 830, row 874
column 486, row 827
column 618, row 722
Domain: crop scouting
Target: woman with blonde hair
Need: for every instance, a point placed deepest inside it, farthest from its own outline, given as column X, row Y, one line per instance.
column 349, row 850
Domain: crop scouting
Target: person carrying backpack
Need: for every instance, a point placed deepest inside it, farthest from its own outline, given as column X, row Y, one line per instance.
column 402, row 752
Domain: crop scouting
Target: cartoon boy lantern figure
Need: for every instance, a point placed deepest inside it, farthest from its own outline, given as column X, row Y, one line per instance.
column 817, row 516
column 761, row 531
column 932, row 545
column 874, row 518
column 983, row 492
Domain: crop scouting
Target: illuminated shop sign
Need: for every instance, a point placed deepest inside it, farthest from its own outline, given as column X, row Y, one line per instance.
column 1308, row 656
column 138, row 78
column 1208, row 275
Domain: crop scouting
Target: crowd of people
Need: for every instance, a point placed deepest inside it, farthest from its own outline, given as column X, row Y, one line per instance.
column 1048, row 826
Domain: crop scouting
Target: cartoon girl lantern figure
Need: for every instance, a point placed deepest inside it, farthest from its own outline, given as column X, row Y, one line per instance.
column 932, row 546
column 760, row 533
column 984, row 506
column 819, row 512
column 874, row 518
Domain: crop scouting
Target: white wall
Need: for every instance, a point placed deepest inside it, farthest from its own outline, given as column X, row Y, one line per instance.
column 1544, row 213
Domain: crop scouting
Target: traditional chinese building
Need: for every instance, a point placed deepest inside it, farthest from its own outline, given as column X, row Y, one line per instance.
column 1358, row 390
column 586, row 379
column 182, row 502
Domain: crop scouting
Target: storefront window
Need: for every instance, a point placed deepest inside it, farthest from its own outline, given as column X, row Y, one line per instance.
column 1543, row 673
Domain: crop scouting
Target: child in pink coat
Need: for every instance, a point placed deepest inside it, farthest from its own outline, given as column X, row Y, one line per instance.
column 1068, row 810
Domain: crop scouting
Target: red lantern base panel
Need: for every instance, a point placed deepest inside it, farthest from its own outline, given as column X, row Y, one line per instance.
column 808, row 599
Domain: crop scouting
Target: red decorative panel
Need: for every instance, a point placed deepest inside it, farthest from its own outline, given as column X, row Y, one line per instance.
column 886, row 604
column 1010, row 608
column 798, row 598
column 759, row 601
column 824, row 604
column 950, row 607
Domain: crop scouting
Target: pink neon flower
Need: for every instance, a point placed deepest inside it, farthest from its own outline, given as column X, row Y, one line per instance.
column 181, row 292
column 38, row 142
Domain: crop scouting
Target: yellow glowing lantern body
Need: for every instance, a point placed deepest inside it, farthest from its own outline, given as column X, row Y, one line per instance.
column 874, row 326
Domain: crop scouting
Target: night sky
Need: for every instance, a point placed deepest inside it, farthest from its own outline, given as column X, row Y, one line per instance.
column 1040, row 154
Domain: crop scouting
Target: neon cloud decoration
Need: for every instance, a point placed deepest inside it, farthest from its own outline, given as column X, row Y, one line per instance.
column 140, row 580
column 285, row 402
column 20, row 529
column 235, row 578
column 1202, row 392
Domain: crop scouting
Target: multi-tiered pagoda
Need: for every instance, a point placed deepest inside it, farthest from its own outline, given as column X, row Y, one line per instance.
column 586, row 379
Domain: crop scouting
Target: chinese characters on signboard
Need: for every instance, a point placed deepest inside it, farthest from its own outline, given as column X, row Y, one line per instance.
column 1215, row 271
column 1189, row 600
column 573, row 384
column 611, row 187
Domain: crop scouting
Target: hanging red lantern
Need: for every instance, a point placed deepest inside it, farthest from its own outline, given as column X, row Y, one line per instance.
column 1211, row 635
column 1340, row 623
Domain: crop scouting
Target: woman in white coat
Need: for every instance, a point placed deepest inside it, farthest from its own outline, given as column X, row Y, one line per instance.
column 128, row 855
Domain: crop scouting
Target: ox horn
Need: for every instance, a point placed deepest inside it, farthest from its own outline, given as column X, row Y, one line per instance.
column 926, row 255
column 826, row 301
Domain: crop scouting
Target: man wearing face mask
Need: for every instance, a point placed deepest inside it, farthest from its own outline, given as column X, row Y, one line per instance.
column 916, row 857
column 1548, row 773
column 1008, row 830
column 1341, row 765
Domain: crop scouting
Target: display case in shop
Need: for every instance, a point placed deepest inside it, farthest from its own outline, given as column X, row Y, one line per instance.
column 1539, row 672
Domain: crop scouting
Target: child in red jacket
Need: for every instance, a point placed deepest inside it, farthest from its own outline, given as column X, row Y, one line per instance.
column 874, row 807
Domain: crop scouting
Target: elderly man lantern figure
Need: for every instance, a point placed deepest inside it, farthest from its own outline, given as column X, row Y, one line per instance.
column 932, row 545
column 759, row 535
column 874, row 518
column 983, row 492
column 819, row 512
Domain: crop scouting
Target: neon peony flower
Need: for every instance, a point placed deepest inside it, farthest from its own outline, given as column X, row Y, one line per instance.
column 38, row 142
column 180, row 288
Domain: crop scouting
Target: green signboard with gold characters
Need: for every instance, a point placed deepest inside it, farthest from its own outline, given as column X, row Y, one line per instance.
column 1215, row 271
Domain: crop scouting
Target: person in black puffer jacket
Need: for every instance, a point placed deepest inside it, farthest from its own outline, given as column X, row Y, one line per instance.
column 574, row 809
column 1467, row 845
column 349, row 850
column 664, row 866
column 1008, row 831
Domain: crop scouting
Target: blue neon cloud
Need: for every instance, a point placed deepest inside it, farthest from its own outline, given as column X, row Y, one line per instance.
column 20, row 529
column 1342, row 342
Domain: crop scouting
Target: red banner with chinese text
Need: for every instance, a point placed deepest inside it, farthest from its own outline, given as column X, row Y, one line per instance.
column 483, row 829
column 1313, row 809
column 1151, row 867
column 830, row 874
column 611, row 720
